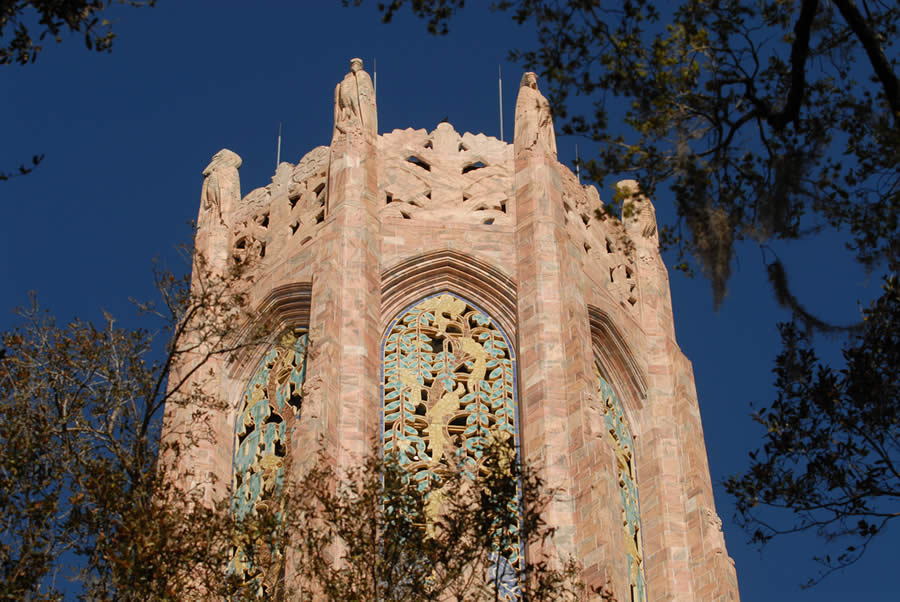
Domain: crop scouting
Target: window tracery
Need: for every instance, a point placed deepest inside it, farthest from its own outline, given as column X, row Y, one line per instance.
column 622, row 442
column 269, row 409
column 448, row 388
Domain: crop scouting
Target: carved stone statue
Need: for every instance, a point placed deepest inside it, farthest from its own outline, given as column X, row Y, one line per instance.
column 534, row 123
column 222, row 186
column 640, row 218
column 354, row 103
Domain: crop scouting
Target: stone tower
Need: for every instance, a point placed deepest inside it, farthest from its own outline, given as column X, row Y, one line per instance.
column 497, row 260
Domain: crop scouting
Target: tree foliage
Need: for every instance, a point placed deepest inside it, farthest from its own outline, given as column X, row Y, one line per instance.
column 80, row 417
column 762, row 120
column 93, row 495
column 394, row 542
column 30, row 22
column 832, row 445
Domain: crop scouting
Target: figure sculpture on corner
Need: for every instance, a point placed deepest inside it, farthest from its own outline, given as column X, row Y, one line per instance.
column 221, row 186
column 219, row 198
column 354, row 103
column 534, row 121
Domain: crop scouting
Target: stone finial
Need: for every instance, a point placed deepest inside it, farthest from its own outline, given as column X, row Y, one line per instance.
column 534, row 122
column 355, row 110
column 221, row 186
column 638, row 213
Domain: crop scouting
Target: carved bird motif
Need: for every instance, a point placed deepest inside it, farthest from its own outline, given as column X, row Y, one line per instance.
column 409, row 380
column 444, row 304
column 437, row 416
column 478, row 352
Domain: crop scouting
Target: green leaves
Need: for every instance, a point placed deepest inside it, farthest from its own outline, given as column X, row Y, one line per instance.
column 738, row 109
column 831, row 450
column 399, row 541
column 76, row 16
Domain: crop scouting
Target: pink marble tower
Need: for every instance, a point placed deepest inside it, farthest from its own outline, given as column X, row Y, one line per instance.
column 355, row 236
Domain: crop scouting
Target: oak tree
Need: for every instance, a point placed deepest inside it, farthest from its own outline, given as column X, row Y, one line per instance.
column 761, row 120
column 94, row 499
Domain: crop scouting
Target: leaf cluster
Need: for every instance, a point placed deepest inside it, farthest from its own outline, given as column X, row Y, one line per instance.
column 85, row 488
column 371, row 533
column 831, row 455
column 764, row 118
column 51, row 18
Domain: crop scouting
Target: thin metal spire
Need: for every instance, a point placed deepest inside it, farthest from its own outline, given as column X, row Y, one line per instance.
column 278, row 151
column 577, row 170
column 500, row 85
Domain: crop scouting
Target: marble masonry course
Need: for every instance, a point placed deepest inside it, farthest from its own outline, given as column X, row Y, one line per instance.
column 341, row 242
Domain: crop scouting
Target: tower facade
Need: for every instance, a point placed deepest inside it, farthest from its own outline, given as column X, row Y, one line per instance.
column 430, row 289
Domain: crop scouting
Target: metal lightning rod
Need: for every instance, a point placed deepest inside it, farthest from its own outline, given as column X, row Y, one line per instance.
column 278, row 151
column 500, row 86
column 577, row 170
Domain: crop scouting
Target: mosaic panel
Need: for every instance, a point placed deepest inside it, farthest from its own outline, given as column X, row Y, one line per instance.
column 268, row 411
column 622, row 443
column 448, row 388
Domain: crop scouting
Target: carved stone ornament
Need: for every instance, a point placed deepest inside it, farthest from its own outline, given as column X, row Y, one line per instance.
column 640, row 222
column 443, row 176
column 354, row 103
column 448, row 390
column 534, row 122
column 269, row 409
column 222, row 187
column 622, row 443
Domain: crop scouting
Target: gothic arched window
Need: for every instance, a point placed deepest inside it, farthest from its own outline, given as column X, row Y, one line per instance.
column 622, row 442
column 448, row 388
column 267, row 413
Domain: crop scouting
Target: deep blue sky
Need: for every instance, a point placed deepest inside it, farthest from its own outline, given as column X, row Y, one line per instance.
column 127, row 134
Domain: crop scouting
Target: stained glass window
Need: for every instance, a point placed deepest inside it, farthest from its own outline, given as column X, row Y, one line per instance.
column 267, row 414
column 622, row 442
column 448, row 388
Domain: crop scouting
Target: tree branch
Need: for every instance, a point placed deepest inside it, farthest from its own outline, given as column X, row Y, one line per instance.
column 799, row 54
column 879, row 61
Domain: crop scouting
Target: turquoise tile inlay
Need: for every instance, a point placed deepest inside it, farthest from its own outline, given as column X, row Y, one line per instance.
column 623, row 444
column 449, row 387
column 268, row 411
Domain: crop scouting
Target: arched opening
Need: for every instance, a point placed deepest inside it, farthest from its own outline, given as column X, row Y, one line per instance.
column 621, row 440
column 449, row 390
column 269, row 408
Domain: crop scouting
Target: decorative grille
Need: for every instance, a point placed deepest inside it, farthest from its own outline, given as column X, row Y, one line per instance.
column 268, row 412
column 623, row 444
column 448, row 388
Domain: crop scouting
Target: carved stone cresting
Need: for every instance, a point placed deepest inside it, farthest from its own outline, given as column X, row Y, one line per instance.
column 287, row 212
column 603, row 239
column 354, row 103
column 534, row 120
column 622, row 443
column 448, row 390
column 306, row 196
column 221, row 186
column 442, row 176
column 267, row 414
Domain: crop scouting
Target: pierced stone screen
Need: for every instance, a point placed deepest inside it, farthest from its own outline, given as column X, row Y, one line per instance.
column 623, row 444
column 448, row 389
column 268, row 411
